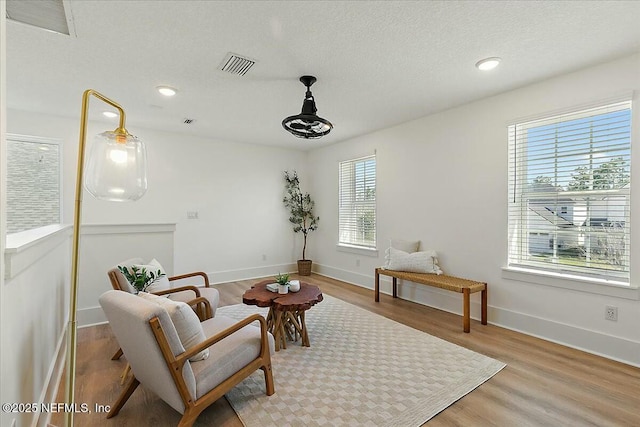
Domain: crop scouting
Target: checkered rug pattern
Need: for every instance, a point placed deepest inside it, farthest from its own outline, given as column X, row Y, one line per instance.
column 362, row 369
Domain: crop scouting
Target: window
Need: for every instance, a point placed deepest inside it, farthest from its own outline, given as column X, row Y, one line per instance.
column 33, row 182
column 357, row 203
column 569, row 187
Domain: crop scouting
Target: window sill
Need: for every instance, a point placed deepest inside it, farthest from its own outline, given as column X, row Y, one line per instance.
column 557, row 280
column 357, row 250
column 25, row 248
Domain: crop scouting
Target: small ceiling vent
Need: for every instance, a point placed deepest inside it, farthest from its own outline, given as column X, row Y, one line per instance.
column 236, row 64
column 188, row 121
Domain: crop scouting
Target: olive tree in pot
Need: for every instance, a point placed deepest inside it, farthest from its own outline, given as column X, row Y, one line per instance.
column 301, row 215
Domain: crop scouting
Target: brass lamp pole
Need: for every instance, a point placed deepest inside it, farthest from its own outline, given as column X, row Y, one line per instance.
column 116, row 153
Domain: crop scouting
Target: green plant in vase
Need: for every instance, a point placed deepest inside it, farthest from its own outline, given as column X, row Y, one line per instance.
column 283, row 283
column 301, row 215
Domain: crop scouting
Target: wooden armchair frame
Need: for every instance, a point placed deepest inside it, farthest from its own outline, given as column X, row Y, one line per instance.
column 193, row 407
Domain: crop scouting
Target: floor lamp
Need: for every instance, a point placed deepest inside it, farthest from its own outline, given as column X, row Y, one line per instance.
column 116, row 171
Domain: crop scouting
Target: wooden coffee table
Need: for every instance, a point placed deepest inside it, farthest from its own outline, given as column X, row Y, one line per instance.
column 286, row 311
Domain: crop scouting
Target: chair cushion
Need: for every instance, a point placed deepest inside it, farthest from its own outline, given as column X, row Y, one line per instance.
column 184, row 320
column 229, row 355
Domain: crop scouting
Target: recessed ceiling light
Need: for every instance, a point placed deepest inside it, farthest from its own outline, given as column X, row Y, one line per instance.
column 109, row 114
column 166, row 90
column 488, row 63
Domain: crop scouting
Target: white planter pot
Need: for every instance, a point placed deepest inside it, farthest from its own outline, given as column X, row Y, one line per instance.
column 283, row 289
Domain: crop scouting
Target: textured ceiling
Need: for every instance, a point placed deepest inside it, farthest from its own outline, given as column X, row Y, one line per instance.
column 378, row 63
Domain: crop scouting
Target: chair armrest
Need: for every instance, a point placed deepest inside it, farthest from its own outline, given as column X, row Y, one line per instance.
column 190, row 352
column 194, row 274
column 206, row 312
column 179, row 289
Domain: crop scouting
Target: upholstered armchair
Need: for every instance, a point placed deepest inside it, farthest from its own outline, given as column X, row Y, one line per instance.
column 201, row 296
column 164, row 342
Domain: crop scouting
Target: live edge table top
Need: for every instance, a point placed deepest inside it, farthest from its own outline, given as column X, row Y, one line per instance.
column 304, row 299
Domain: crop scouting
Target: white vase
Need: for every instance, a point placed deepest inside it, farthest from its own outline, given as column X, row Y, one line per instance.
column 283, row 289
column 294, row 285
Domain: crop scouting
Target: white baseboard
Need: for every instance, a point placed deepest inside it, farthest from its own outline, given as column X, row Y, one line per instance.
column 615, row 348
column 91, row 316
column 251, row 273
column 54, row 374
column 354, row 278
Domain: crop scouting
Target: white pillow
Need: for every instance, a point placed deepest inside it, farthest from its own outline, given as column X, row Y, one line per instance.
column 404, row 245
column 185, row 321
column 160, row 284
column 417, row 262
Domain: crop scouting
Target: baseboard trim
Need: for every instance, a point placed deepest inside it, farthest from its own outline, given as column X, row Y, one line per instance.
column 594, row 342
column 54, row 375
column 218, row 277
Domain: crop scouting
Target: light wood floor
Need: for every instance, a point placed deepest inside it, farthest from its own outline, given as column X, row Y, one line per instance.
column 544, row 384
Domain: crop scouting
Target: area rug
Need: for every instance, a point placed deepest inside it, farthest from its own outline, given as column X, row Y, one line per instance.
column 361, row 370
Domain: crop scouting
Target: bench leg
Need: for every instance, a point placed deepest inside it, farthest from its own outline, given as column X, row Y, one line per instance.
column 376, row 290
column 395, row 287
column 467, row 310
column 484, row 306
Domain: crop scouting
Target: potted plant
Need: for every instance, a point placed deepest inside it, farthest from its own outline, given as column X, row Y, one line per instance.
column 283, row 283
column 140, row 278
column 301, row 216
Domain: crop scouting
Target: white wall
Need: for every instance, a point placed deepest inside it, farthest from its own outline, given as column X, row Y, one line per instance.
column 443, row 179
column 34, row 316
column 105, row 246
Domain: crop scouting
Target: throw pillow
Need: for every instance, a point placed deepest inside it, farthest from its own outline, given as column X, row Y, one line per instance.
column 185, row 321
column 404, row 245
column 159, row 284
column 417, row 262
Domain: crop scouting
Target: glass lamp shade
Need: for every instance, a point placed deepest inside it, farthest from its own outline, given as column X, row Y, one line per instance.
column 116, row 167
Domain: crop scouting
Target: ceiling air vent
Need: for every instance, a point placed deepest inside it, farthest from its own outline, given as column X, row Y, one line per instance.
column 236, row 64
column 188, row 121
column 47, row 14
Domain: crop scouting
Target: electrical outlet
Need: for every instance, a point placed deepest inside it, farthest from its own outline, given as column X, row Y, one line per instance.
column 611, row 313
column 357, row 263
column 264, row 257
column 192, row 214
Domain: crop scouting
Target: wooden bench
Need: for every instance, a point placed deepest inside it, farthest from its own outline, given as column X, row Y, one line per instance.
column 450, row 283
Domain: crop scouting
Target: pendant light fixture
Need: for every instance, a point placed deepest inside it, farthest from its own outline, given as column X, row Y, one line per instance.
column 307, row 124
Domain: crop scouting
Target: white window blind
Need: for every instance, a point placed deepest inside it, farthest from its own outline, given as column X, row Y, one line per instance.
column 357, row 202
column 569, row 187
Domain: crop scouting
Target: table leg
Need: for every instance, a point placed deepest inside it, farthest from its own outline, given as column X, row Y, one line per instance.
column 278, row 330
column 292, row 318
column 303, row 331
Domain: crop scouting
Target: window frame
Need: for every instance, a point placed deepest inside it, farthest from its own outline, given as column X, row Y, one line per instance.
column 566, row 277
column 353, row 246
column 20, row 138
